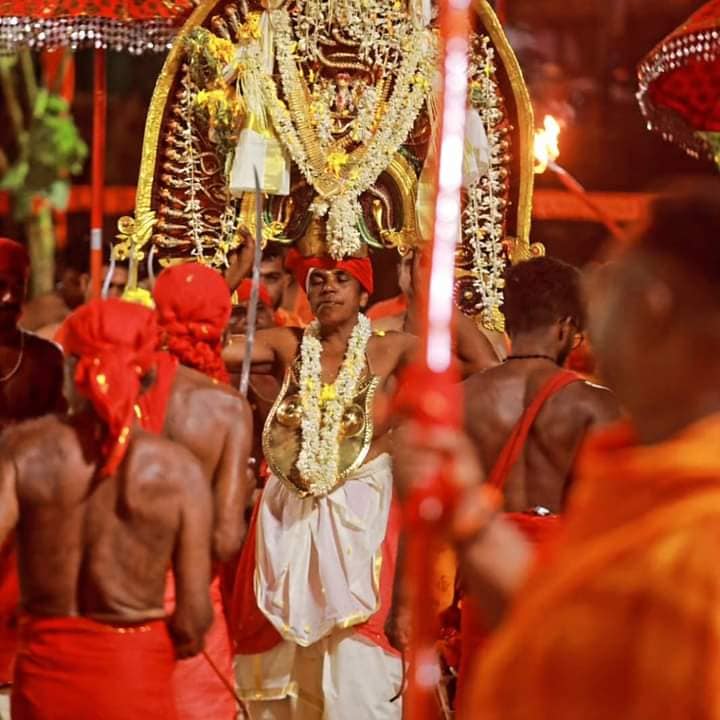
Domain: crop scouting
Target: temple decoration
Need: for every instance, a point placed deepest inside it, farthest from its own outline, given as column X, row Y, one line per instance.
column 135, row 26
column 679, row 81
column 333, row 104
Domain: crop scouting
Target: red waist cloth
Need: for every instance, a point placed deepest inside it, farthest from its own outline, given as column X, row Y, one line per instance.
column 199, row 692
column 253, row 632
column 76, row 669
column 9, row 602
column 538, row 529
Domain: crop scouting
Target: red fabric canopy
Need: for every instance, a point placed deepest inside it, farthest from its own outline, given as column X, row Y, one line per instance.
column 114, row 9
column 680, row 82
column 133, row 25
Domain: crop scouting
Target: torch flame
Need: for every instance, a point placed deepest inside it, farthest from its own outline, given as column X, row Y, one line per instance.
column 547, row 149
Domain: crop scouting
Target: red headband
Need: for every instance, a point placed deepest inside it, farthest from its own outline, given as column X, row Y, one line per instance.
column 245, row 288
column 14, row 259
column 300, row 266
column 114, row 342
column 193, row 310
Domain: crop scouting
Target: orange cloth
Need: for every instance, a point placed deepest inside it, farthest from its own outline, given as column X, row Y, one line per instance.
column 288, row 318
column 199, row 692
column 622, row 622
column 300, row 307
column 244, row 292
column 387, row 308
column 73, row 668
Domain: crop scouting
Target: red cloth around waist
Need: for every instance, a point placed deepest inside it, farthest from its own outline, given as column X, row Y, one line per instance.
column 538, row 529
column 77, row 669
column 9, row 602
column 199, row 692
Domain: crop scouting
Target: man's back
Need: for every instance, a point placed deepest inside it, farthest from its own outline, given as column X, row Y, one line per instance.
column 101, row 547
column 495, row 402
column 214, row 423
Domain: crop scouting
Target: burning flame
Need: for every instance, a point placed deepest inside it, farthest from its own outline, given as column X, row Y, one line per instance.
column 546, row 145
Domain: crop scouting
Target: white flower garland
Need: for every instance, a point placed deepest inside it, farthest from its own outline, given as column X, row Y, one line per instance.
column 323, row 408
column 338, row 193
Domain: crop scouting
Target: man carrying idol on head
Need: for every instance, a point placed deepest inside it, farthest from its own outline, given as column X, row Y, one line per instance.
column 315, row 579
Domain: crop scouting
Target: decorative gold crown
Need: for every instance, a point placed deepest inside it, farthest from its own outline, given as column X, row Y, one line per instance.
column 312, row 243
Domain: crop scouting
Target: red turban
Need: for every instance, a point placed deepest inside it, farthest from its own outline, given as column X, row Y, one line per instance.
column 300, row 266
column 193, row 308
column 14, row 259
column 115, row 345
column 243, row 293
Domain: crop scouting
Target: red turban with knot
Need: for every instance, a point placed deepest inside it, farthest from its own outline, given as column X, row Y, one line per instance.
column 245, row 288
column 14, row 259
column 193, row 308
column 115, row 345
column 300, row 266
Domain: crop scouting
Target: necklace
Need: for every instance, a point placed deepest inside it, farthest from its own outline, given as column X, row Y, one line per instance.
column 531, row 357
column 323, row 406
column 13, row 372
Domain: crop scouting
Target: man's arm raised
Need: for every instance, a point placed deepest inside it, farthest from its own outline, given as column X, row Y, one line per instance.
column 231, row 489
column 191, row 562
column 271, row 346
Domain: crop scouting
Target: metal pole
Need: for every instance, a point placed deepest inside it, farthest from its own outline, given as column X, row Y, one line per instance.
column 98, row 171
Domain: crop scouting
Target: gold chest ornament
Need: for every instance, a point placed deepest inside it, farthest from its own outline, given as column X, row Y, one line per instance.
column 282, row 435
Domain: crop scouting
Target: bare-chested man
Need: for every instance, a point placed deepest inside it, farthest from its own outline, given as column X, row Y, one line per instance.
column 30, row 368
column 310, row 631
column 30, row 386
column 545, row 315
column 102, row 510
column 528, row 417
column 214, row 422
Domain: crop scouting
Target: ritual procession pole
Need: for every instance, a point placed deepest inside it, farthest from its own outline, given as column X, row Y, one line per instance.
column 440, row 405
column 97, row 213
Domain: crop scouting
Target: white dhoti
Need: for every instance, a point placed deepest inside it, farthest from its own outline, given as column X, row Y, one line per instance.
column 317, row 576
column 5, row 704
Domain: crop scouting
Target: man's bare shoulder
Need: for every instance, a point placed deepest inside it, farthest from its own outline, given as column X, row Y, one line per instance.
column 484, row 379
column 599, row 402
column 166, row 459
column 196, row 387
column 41, row 349
column 32, row 435
column 389, row 323
column 396, row 339
column 43, row 310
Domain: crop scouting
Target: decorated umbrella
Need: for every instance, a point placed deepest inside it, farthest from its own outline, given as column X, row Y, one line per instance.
column 135, row 26
column 680, row 84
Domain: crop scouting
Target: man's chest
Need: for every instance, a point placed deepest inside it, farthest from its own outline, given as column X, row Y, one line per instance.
column 23, row 397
